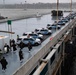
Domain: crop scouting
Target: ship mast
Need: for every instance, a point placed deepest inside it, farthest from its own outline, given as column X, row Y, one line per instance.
column 71, row 7
column 57, row 12
column 57, row 9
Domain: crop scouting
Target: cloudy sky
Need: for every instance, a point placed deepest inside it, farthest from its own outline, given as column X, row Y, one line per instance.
column 32, row 1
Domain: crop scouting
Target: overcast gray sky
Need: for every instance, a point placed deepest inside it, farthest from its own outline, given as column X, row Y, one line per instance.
column 32, row 1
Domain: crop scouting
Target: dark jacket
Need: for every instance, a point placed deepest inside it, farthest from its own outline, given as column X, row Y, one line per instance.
column 3, row 63
column 20, row 55
column 29, row 46
column 14, row 47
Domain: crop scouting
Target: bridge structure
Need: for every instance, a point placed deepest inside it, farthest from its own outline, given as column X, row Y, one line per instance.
column 50, row 58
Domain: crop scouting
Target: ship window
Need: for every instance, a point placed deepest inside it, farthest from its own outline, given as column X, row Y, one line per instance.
column 58, row 49
column 44, row 71
column 33, row 70
column 72, row 32
column 51, row 48
column 46, row 55
column 62, row 46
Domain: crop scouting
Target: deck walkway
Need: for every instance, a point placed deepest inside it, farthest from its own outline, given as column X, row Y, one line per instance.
column 14, row 62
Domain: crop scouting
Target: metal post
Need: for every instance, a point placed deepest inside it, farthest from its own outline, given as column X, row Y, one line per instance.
column 74, row 31
column 11, row 30
column 8, row 31
column 3, row 44
column 71, row 7
column 60, row 70
column 9, row 27
column 49, row 71
column 57, row 9
column 63, row 52
column 57, row 12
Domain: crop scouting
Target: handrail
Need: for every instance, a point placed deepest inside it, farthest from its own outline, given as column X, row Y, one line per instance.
column 7, row 32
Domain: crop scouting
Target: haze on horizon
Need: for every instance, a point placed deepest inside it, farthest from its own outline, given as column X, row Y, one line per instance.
column 33, row 1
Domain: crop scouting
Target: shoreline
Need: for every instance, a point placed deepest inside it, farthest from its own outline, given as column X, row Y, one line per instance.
column 22, row 14
column 18, row 14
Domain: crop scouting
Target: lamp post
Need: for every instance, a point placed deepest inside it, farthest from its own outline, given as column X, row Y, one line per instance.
column 9, row 27
column 71, row 7
column 57, row 12
column 57, row 9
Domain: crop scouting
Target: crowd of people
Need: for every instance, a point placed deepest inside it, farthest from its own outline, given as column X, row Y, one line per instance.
column 13, row 47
